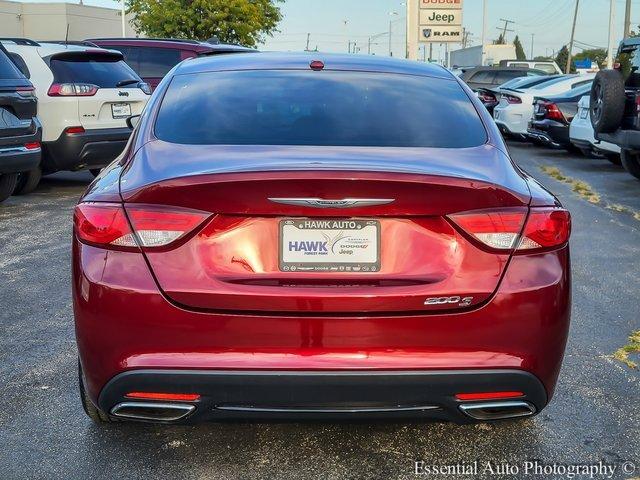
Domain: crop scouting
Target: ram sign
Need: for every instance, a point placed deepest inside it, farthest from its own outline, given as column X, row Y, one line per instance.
column 440, row 21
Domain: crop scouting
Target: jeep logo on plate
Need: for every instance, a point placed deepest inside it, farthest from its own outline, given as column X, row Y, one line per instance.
column 123, row 94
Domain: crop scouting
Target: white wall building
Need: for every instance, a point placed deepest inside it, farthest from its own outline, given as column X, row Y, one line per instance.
column 49, row 21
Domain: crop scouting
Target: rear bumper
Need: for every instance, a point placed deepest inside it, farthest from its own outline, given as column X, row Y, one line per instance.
column 14, row 157
column 91, row 149
column 554, row 134
column 125, row 324
column 627, row 139
column 322, row 395
column 18, row 159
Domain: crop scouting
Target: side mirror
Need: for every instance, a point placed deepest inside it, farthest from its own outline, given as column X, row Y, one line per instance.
column 133, row 121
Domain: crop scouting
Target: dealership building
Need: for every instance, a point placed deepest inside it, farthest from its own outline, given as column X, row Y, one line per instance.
column 49, row 21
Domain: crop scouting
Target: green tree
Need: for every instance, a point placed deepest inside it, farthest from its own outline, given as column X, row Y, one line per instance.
column 598, row 55
column 246, row 22
column 500, row 41
column 561, row 60
column 520, row 55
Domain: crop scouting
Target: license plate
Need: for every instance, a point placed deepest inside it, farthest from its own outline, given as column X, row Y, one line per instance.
column 329, row 245
column 584, row 113
column 120, row 110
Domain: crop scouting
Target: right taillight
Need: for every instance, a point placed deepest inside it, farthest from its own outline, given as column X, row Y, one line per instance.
column 516, row 229
column 108, row 225
column 546, row 228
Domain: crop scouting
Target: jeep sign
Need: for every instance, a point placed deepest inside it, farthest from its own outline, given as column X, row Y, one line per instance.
column 440, row 17
column 440, row 21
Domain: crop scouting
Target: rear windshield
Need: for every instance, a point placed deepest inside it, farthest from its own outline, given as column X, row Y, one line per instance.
column 556, row 80
column 103, row 71
column 8, row 70
column 318, row 108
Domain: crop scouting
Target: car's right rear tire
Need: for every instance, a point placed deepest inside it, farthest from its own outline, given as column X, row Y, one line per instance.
column 7, row 185
column 93, row 412
column 607, row 101
column 631, row 162
column 28, row 181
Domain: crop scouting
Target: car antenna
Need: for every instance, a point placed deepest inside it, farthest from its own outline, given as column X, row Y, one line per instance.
column 66, row 37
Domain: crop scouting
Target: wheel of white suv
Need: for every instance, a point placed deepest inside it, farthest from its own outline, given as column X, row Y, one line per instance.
column 7, row 185
column 28, row 181
column 607, row 101
column 631, row 162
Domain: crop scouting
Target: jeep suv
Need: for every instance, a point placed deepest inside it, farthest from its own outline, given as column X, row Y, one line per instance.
column 20, row 131
column 615, row 105
column 85, row 95
column 152, row 58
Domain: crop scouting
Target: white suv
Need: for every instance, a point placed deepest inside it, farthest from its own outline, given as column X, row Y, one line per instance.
column 85, row 95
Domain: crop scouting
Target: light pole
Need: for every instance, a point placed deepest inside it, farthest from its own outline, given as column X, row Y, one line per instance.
column 124, row 23
column 391, row 14
column 484, row 32
column 532, row 37
column 612, row 33
column 374, row 37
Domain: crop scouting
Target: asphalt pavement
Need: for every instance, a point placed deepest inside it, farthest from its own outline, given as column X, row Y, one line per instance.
column 594, row 417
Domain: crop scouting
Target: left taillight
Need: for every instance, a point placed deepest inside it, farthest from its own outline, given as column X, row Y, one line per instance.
column 72, row 90
column 108, row 225
column 550, row 110
column 512, row 99
column 518, row 229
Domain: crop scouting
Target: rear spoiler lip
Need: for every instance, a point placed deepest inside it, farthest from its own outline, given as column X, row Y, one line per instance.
column 114, row 54
column 140, row 174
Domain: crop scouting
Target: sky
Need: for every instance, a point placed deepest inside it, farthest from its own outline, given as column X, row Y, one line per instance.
column 334, row 25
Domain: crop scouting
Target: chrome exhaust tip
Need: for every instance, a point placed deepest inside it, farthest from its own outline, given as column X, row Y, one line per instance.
column 152, row 411
column 498, row 410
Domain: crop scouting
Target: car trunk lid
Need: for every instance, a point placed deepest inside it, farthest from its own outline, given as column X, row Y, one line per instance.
column 241, row 259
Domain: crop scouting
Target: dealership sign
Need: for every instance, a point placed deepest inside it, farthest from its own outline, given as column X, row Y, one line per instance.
column 440, row 21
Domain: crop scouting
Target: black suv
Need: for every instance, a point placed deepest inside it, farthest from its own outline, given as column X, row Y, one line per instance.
column 615, row 105
column 20, row 130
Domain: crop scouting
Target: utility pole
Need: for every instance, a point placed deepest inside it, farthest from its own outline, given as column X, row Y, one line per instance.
column 573, row 33
column 308, row 38
column 484, row 32
column 612, row 33
column 465, row 37
column 532, row 37
column 505, row 29
column 627, row 20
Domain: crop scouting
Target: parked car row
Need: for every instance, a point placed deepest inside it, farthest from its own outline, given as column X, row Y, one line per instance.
column 597, row 115
column 65, row 105
column 556, row 111
column 614, row 106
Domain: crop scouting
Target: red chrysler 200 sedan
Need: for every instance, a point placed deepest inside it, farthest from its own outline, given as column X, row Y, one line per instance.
column 317, row 236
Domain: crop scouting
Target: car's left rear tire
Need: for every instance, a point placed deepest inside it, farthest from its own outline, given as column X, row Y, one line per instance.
column 28, row 181
column 7, row 185
column 93, row 412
